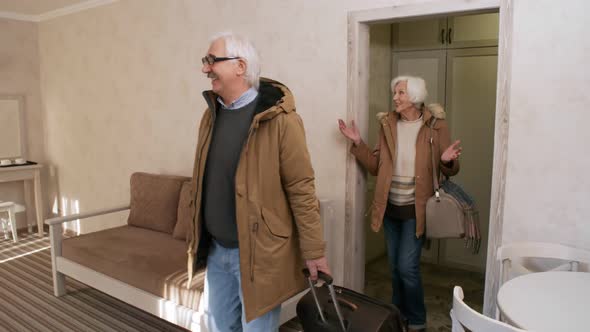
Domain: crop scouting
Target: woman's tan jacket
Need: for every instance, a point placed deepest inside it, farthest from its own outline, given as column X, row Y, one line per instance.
column 381, row 160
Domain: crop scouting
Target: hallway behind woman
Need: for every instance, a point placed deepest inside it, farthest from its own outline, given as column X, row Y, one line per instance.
column 438, row 282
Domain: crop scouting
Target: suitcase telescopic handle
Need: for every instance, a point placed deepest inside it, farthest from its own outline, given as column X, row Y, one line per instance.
column 328, row 280
column 315, row 296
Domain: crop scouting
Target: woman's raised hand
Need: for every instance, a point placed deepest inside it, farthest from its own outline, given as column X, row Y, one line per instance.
column 352, row 132
column 452, row 152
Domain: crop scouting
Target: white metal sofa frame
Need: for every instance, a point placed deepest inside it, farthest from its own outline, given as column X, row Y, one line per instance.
column 165, row 309
column 61, row 266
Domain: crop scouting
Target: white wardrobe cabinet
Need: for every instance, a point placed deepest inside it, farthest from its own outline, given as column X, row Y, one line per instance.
column 478, row 30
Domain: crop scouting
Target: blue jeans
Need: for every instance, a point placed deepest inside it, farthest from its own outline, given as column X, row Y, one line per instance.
column 223, row 294
column 403, row 251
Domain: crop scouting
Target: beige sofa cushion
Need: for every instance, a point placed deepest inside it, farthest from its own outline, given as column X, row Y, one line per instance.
column 145, row 259
column 184, row 214
column 154, row 201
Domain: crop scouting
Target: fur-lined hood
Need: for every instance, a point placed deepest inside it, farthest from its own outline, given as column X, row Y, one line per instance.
column 273, row 98
column 435, row 110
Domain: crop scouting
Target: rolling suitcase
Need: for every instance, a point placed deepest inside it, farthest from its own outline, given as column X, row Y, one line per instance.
column 332, row 308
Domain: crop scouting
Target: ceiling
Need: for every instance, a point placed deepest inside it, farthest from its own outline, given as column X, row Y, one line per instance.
column 39, row 10
column 35, row 7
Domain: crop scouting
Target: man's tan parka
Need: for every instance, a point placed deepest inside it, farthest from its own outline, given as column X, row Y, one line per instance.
column 277, row 212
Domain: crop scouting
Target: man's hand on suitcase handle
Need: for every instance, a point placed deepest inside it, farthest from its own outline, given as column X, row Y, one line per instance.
column 323, row 272
column 315, row 265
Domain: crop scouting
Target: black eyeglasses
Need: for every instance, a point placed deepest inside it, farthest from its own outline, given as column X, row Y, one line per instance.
column 210, row 59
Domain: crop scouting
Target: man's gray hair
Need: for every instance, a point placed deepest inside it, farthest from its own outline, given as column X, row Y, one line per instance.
column 240, row 46
column 416, row 88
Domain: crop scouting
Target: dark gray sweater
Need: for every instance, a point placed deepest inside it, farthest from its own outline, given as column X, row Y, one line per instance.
column 230, row 132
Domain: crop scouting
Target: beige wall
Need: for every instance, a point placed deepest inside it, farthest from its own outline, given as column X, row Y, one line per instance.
column 122, row 93
column 547, row 188
column 122, row 87
column 19, row 75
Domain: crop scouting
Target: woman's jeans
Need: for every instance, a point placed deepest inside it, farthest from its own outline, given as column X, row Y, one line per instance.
column 224, row 295
column 403, row 251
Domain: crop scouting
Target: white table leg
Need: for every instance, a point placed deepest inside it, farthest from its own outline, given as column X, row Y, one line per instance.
column 29, row 206
column 38, row 202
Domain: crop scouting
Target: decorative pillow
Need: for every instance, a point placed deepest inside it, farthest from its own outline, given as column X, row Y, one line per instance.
column 185, row 213
column 154, row 201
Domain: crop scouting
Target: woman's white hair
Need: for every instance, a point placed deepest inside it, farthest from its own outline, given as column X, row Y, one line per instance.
column 416, row 88
column 240, row 46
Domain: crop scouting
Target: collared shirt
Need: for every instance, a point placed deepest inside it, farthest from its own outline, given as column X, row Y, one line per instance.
column 245, row 99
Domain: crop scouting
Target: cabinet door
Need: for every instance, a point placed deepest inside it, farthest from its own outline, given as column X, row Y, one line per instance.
column 419, row 35
column 471, row 105
column 478, row 30
column 430, row 65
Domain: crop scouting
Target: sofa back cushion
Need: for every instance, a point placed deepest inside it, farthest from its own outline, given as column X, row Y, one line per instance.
column 185, row 213
column 154, row 201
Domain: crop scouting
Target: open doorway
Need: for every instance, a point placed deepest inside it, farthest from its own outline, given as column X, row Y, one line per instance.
column 443, row 89
column 457, row 57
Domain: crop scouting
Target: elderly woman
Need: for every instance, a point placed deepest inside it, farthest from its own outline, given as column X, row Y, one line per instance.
column 402, row 162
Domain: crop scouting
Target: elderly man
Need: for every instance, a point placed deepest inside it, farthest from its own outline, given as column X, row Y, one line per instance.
column 256, row 216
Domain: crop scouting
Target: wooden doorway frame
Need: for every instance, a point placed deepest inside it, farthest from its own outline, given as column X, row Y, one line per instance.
column 353, row 243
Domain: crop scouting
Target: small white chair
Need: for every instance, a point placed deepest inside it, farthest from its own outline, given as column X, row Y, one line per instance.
column 509, row 256
column 462, row 316
column 10, row 208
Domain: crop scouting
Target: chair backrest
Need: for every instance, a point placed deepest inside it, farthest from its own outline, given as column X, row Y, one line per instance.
column 463, row 317
column 507, row 254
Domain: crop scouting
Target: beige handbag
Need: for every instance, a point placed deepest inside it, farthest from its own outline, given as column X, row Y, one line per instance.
column 445, row 217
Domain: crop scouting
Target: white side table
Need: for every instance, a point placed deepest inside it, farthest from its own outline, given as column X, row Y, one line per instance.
column 29, row 174
column 547, row 301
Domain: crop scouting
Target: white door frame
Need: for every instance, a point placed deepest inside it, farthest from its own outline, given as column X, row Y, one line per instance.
column 353, row 242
